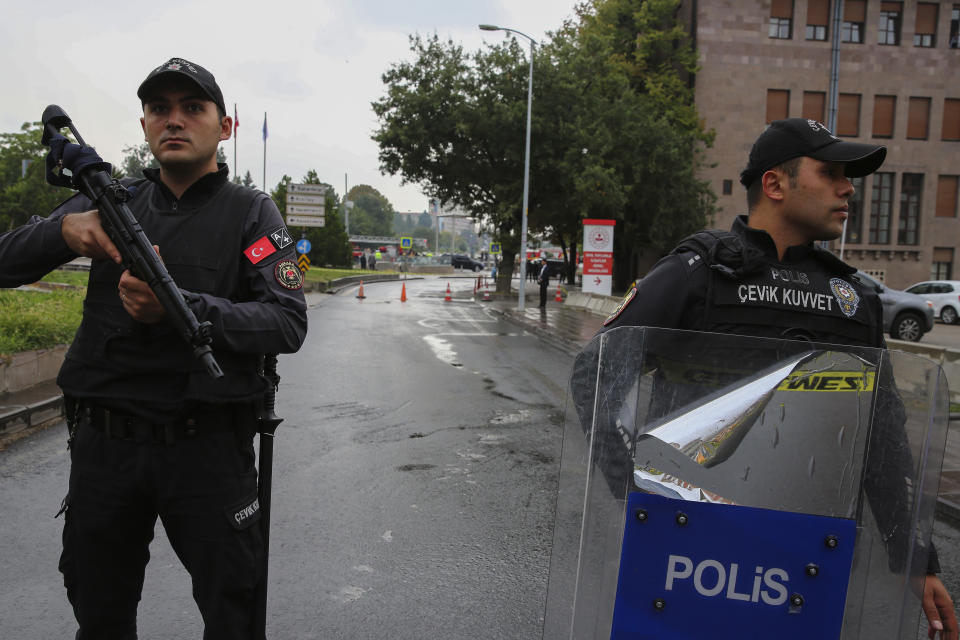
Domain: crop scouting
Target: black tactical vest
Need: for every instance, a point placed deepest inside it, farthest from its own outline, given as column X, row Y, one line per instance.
column 201, row 249
column 814, row 297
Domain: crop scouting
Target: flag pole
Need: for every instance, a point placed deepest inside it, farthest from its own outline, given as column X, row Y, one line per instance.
column 236, row 125
column 264, row 150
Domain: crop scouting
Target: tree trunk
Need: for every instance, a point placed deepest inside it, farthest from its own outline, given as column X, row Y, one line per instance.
column 505, row 271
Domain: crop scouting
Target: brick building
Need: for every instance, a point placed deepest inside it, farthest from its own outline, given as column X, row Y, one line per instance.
column 898, row 85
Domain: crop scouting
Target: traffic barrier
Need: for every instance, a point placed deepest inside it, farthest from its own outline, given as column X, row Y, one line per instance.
column 360, row 293
column 558, row 297
column 448, row 297
column 403, row 292
column 486, row 292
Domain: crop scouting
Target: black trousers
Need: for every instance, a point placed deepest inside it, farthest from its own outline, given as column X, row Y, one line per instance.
column 203, row 487
column 543, row 294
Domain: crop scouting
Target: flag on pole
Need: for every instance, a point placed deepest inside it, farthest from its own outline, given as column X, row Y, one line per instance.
column 236, row 119
column 264, row 125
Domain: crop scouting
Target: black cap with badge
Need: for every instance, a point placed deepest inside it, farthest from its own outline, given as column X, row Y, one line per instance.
column 180, row 67
column 795, row 137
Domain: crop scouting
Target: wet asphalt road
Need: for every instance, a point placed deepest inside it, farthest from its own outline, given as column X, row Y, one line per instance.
column 414, row 484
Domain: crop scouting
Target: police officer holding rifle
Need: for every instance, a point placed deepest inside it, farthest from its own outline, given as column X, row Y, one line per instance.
column 155, row 428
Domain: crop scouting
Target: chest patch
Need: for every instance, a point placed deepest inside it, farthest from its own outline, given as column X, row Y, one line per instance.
column 288, row 274
column 846, row 296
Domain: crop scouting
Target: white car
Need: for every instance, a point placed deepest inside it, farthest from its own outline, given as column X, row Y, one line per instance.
column 945, row 296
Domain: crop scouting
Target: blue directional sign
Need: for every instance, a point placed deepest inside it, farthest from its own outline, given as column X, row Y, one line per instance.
column 304, row 246
column 686, row 565
column 406, row 243
column 494, row 247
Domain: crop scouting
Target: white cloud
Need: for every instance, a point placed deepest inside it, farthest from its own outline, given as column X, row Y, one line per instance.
column 313, row 67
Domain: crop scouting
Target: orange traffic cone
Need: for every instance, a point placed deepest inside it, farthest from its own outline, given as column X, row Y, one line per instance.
column 360, row 293
column 448, row 298
column 558, row 298
column 403, row 293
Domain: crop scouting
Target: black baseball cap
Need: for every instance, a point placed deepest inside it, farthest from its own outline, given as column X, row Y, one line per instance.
column 180, row 67
column 795, row 137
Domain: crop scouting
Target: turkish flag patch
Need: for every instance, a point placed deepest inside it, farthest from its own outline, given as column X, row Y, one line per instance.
column 259, row 250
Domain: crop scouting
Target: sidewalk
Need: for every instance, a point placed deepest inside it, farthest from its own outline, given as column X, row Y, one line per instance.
column 570, row 328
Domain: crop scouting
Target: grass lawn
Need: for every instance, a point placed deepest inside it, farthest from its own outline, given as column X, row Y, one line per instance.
column 43, row 319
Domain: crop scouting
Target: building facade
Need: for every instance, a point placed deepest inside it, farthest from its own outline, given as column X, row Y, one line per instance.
column 898, row 85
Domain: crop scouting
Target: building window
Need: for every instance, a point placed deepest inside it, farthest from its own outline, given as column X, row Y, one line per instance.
column 942, row 267
column 911, row 195
column 954, row 26
column 881, row 202
column 778, row 101
column 855, row 212
column 888, row 31
column 884, row 109
column 848, row 115
column 781, row 19
column 728, row 187
column 925, row 34
column 854, row 16
column 818, row 17
column 918, row 119
column 814, row 105
column 947, row 196
column 951, row 119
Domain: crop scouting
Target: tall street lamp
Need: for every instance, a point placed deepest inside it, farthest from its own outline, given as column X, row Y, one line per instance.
column 526, row 167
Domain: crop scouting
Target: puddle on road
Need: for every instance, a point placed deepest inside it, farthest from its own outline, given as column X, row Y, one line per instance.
column 442, row 349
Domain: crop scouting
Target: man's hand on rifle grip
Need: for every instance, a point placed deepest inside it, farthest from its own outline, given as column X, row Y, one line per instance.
column 138, row 298
column 85, row 236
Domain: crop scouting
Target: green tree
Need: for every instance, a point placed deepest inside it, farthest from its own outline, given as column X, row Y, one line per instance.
column 247, row 180
column 454, row 123
column 615, row 132
column 372, row 213
column 24, row 191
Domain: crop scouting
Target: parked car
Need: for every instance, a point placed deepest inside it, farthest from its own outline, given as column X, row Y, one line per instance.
column 945, row 296
column 460, row 261
column 906, row 316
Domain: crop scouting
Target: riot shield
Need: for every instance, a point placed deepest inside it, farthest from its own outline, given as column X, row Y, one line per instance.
column 717, row 486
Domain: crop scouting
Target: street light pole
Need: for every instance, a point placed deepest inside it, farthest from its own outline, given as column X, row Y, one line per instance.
column 526, row 168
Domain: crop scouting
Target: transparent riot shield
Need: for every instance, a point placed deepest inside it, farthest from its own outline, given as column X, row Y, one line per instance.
column 716, row 486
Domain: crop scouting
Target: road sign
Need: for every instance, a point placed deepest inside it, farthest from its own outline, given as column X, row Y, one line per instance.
column 300, row 198
column 303, row 246
column 494, row 247
column 306, row 210
column 303, row 262
column 307, row 188
column 305, row 221
column 406, row 243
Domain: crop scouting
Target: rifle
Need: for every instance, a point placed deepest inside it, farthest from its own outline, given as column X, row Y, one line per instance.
column 90, row 175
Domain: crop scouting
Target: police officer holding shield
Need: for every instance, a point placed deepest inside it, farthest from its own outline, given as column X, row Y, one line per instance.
column 768, row 278
column 152, row 435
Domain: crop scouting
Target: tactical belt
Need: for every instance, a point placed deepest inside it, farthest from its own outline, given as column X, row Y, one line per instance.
column 200, row 420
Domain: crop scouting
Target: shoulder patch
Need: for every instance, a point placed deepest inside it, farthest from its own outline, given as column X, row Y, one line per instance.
column 288, row 274
column 281, row 239
column 259, row 250
column 627, row 299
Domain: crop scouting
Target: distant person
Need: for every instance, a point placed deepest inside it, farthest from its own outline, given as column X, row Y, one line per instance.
column 363, row 259
column 543, row 279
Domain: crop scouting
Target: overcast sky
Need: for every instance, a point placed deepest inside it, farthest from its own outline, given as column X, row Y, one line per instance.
column 313, row 67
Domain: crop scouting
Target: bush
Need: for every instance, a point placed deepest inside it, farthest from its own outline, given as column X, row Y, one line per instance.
column 38, row 320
